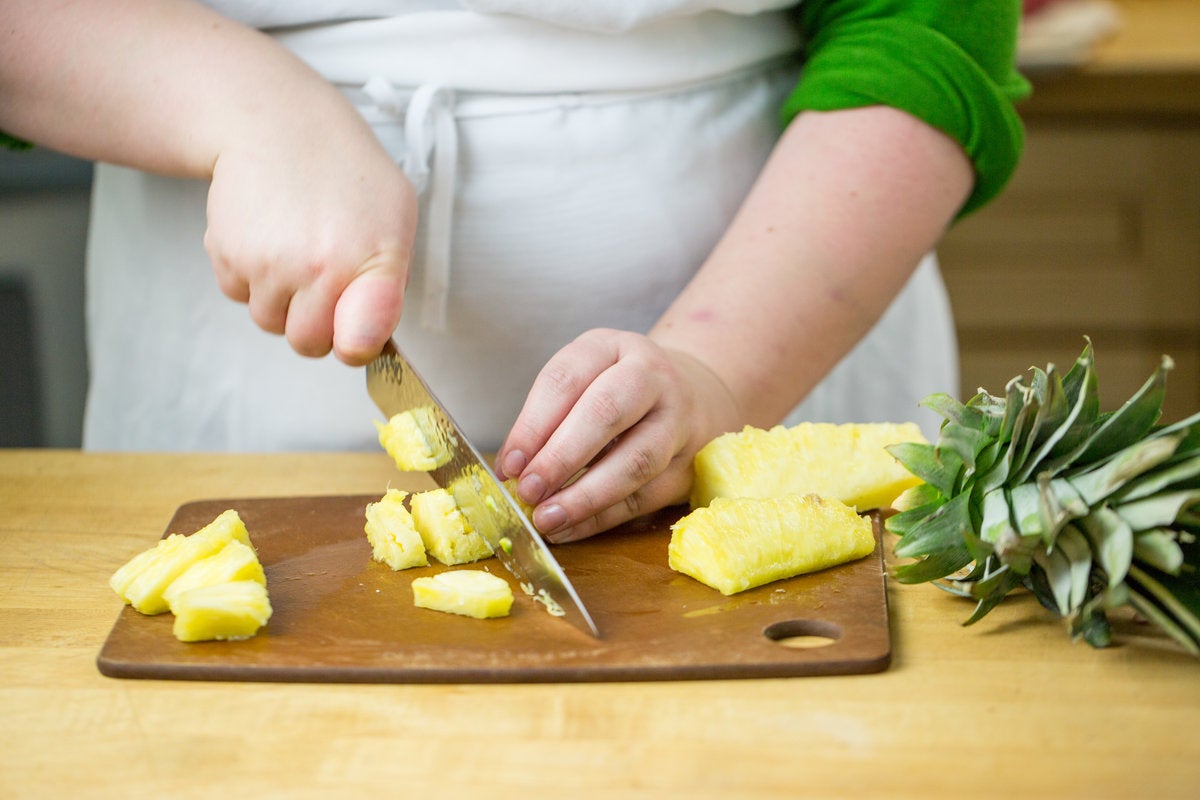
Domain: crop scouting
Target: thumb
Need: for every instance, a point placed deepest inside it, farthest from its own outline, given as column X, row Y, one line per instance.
column 366, row 314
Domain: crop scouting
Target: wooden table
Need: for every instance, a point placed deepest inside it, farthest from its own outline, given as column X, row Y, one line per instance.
column 1007, row 708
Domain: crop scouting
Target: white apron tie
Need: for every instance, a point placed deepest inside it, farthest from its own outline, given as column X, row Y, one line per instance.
column 430, row 133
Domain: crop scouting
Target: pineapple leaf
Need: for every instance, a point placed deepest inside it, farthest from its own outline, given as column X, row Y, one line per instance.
column 933, row 567
column 1162, row 605
column 1050, row 424
column 1176, row 472
column 939, row 468
column 1158, row 511
column 991, row 590
column 1132, row 421
column 1160, row 549
column 1112, row 542
column 1097, row 483
column 941, row 530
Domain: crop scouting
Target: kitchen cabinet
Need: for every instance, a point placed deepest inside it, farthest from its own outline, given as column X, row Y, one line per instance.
column 1098, row 233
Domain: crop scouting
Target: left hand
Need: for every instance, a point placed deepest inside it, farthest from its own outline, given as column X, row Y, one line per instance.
column 626, row 412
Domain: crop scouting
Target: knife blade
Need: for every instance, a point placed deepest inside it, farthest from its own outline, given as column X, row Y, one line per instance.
column 397, row 388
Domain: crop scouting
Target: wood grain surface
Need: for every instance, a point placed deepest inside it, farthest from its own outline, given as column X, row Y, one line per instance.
column 1005, row 708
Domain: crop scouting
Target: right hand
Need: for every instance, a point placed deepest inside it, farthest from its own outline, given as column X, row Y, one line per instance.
column 316, row 237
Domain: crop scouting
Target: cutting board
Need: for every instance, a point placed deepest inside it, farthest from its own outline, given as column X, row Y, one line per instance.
column 339, row 616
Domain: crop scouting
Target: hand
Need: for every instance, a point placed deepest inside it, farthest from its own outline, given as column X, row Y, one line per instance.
column 316, row 238
column 628, row 413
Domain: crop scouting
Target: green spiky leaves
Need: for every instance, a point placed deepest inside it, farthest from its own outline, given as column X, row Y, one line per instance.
column 1040, row 489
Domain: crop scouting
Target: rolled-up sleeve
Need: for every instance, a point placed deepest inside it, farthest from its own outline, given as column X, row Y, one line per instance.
column 949, row 63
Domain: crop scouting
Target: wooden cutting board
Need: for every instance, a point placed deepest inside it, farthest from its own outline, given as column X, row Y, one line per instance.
column 339, row 616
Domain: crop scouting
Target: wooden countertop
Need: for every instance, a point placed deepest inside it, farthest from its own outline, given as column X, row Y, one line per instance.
column 1149, row 67
column 1006, row 708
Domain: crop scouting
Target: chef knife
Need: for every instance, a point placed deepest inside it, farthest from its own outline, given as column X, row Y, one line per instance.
column 396, row 388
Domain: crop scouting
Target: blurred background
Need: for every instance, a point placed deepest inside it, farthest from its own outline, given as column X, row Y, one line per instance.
column 1098, row 233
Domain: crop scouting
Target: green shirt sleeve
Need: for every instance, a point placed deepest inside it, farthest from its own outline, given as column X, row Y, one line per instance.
column 950, row 63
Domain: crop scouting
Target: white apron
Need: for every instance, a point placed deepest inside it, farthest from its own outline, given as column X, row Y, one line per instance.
column 568, row 179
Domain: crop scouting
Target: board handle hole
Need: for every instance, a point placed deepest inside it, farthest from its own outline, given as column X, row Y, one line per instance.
column 803, row 634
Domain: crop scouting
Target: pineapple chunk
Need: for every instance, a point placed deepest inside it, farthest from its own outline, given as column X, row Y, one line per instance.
column 469, row 592
column 124, row 576
column 233, row 562
column 841, row 462
column 415, row 440
column 737, row 544
column 226, row 611
column 171, row 558
column 447, row 535
column 392, row 534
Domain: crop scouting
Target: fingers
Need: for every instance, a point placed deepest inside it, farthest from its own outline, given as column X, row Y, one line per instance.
column 366, row 314
column 637, row 476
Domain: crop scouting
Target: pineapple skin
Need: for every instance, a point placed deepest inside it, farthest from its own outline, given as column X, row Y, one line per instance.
column 845, row 462
column 172, row 557
column 234, row 562
column 447, row 535
column 467, row 592
column 224, row 611
column 735, row 544
column 411, row 438
column 392, row 533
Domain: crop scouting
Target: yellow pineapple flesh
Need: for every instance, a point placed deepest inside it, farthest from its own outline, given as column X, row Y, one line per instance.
column 392, row 533
column 222, row 611
column 469, row 592
column 734, row 544
column 845, row 462
column 415, row 440
column 447, row 535
column 171, row 558
column 234, row 562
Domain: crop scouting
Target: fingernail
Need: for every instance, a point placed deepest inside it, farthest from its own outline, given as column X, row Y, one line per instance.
column 549, row 518
column 514, row 462
column 532, row 489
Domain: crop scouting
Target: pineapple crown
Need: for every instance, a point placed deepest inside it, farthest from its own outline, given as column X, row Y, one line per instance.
column 1040, row 489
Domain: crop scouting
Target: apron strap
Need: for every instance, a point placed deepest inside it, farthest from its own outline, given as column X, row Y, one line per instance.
column 430, row 133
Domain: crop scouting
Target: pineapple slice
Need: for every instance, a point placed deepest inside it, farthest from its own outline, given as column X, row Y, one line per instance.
column 469, row 592
column 225, row 611
column 171, row 558
column 841, row 462
column 447, row 535
column 233, row 562
column 415, row 440
column 392, row 534
column 737, row 544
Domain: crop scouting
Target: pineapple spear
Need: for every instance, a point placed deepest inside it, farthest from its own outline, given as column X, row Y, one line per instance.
column 1038, row 489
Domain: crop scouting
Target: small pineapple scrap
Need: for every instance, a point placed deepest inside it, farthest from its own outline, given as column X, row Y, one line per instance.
column 392, row 533
column 845, row 462
column 447, row 535
column 415, row 440
column 233, row 562
column 222, row 611
column 737, row 544
column 469, row 592
column 143, row 581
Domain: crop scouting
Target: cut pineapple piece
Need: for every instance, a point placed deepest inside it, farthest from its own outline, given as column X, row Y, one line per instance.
column 392, row 534
column 415, row 440
column 737, row 544
column 172, row 557
column 124, row 576
column 841, row 462
column 233, row 562
column 447, row 535
column 226, row 611
column 469, row 592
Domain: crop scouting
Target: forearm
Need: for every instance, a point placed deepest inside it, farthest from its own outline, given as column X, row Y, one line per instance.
column 846, row 207
column 163, row 86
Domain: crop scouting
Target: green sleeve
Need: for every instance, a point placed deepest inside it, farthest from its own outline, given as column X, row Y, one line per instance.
column 950, row 63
